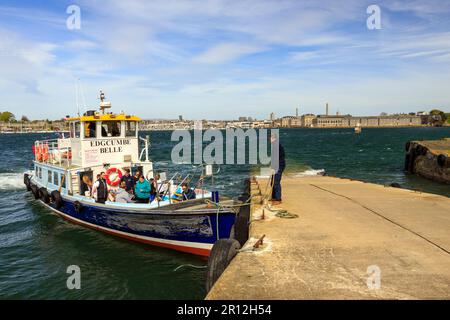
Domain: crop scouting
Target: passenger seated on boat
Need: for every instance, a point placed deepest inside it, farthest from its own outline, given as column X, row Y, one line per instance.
column 153, row 190
column 188, row 193
column 129, row 181
column 101, row 189
column 136, row 177
column 94, row 190
column 121, row 195
column 142, row 190
column 161, row 187
column 86, row 186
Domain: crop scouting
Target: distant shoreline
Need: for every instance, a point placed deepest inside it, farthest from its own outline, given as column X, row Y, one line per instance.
column 351, row 128
column 30, row 132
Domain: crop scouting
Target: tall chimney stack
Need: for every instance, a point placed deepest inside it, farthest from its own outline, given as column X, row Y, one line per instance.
column 327, row 110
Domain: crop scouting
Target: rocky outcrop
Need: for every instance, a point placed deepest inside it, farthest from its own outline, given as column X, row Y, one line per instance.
column 429, row 159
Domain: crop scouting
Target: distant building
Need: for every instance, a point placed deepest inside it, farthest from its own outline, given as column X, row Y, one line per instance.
column 180, row 118
column 272, row 116
column 306, row 120
column 371, row 121
column 330, row 121
column 296, row 122
column 241, row 119
column 290, row 121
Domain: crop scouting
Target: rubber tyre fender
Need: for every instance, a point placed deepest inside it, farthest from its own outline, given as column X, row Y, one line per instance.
column 44, row 196
column 223, row 251
column 26, row 181
column 442, row 160
column 57, row 199
column 241, row 225
column 35, row 191
column 78, row 206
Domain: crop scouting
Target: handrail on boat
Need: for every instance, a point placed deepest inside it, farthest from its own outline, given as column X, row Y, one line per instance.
column 51, row 152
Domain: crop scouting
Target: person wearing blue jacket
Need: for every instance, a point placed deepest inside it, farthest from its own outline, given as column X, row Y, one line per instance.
column 142, row 190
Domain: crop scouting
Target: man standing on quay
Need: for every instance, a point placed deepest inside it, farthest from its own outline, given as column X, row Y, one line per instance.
column 276, row 177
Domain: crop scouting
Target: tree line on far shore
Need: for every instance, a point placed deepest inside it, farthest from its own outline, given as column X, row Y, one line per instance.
column 7, row 116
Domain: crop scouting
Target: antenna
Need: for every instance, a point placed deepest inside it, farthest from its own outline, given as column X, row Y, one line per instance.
column 76, row 97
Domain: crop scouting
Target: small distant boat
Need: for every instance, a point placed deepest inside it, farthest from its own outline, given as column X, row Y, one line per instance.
column 107, row 142
column 358, row 129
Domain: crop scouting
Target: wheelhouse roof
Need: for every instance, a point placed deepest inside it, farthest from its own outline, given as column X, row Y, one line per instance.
column 105, row 117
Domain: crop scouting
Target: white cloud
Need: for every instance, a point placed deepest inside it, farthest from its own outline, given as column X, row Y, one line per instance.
column 226, row 52
column 81, row 44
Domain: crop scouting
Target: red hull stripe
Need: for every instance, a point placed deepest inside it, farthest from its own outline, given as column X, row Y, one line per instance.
column 192, row 250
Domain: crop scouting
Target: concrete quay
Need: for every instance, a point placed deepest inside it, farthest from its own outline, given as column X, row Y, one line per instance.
column 345, row 230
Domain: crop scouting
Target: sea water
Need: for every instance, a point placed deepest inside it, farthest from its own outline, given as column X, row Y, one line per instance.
column 37, row 247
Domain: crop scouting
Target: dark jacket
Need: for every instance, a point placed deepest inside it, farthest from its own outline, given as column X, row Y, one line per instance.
column 153, row 190
column 130, row 182
column 102, row 190
column 189, row 194
column 281, row 158
column 83, row 188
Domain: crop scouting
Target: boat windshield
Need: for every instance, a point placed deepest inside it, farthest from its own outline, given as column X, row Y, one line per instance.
column 130, row 129
column 111, row 129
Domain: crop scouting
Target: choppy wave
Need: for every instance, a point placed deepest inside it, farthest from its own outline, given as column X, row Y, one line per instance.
column 11, row 181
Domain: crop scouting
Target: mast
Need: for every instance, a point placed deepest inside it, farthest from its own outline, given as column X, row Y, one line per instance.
column 104, row 104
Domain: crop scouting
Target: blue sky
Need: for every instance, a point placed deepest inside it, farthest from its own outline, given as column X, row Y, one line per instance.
column 224, row 59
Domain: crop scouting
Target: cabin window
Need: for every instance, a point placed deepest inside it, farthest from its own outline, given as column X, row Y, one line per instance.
column 50, row 176
column 55, row 178
column 111, row 129
column 77, row 129
column 39, row 172
column 90, row 130
column 130, row 129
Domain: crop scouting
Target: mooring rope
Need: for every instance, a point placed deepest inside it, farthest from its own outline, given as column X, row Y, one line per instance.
column 189, row 265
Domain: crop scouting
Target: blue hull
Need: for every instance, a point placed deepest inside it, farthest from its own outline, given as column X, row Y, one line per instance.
column 190, row 231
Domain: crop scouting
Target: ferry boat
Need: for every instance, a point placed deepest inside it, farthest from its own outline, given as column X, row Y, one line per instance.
column 101, row 141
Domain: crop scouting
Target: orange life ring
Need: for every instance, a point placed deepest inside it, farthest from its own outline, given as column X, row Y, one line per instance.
column 38, row 153
column 45, row 152
column 118, row 175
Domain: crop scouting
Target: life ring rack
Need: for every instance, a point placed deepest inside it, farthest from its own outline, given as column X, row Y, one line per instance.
column 118, row 176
